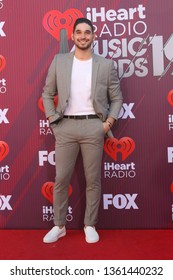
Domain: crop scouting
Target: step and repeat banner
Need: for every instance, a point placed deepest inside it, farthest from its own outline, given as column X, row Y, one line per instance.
column 137, row 167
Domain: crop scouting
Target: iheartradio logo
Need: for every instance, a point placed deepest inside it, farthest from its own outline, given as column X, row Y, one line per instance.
column 4, row 150
column 54, row 21
column 2, row 62
column 40, row 103
column 47, row 191
column 125, row 146
column 170, row 97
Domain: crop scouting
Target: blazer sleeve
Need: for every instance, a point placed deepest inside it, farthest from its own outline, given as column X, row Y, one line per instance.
column 114, row 92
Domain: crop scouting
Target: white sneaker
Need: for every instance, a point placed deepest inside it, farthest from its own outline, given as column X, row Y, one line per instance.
column 54, row 234
column 91, row 235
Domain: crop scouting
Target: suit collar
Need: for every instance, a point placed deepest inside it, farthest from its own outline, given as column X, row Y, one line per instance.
column 94, row 56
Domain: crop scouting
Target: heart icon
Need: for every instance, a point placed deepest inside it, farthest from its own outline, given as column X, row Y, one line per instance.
column 47, row 191
column 2, row 62
column 171, row 187
column 40, row 103
column 125, row 146
column 170, row 97
column 54, row 21
column 4, row 149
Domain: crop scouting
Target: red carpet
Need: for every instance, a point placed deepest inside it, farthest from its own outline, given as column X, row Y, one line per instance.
column 113, row 245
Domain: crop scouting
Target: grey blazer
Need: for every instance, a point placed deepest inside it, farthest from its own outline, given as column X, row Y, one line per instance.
column 105, row 88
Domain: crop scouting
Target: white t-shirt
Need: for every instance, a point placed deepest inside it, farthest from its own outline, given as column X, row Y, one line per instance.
column 80, row 93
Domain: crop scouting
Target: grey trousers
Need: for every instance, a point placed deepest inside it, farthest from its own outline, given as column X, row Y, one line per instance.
column 71, row 136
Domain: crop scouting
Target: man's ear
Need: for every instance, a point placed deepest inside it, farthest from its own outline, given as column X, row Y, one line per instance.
column 72, row 37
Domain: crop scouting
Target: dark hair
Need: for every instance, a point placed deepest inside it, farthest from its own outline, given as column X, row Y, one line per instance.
column 83, row 20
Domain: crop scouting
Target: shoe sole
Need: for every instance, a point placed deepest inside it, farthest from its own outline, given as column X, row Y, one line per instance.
column 54, row 240
column 91, row 241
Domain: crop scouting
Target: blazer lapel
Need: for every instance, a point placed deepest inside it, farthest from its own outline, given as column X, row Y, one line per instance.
column 68, row 70
column 95, row 68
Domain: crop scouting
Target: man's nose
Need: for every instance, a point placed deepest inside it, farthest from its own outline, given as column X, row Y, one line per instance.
column 83, row 35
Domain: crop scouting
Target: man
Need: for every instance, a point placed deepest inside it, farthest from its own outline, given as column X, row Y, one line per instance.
column 84, row 82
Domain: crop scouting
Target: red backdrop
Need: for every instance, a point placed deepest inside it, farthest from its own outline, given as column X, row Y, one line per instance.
column 137, row 177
